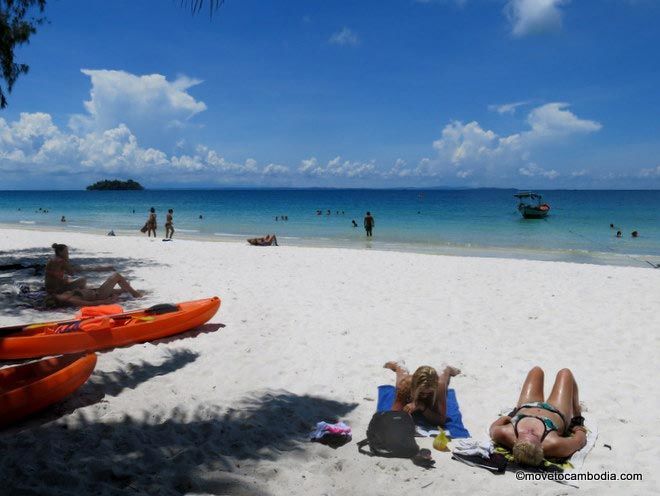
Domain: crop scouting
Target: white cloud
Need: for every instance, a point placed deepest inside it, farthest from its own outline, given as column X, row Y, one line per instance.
column 651, row 172
column 34, row 145
column 534, row 16
column 275, row 169
column 337, row 167
column 466, row 150
column 344, row 37
column 555, row 120
column 532, row 170
column 507, row 108
column 148, row 105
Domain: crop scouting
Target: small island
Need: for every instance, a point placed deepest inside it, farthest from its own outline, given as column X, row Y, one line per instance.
column 115, row 185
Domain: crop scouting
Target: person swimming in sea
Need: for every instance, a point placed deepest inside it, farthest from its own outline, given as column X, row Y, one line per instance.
column 169, row 224
column 74, row 291
column 425, row 391
column 618, row 234
column 63, row 219
column 541, row 428
column 634, row 234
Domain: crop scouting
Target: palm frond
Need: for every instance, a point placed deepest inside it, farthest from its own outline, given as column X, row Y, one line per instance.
column 196, row 6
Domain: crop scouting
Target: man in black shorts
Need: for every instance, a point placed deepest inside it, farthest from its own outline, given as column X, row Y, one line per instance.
column 369, row 224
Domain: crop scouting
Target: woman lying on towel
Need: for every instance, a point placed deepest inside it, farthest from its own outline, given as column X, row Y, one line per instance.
column 538, row 428
column 268, row 240
column 424, row 391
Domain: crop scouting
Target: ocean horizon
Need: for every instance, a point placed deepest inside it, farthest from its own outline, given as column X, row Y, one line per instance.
column 453, row 221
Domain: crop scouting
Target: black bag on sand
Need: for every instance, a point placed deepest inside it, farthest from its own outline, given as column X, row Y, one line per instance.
column 390, row 434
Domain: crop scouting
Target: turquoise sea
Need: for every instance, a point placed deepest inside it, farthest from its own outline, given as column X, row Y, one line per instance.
column 481, row 222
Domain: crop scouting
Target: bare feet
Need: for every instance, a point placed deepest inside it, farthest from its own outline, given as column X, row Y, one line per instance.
column 452, row 371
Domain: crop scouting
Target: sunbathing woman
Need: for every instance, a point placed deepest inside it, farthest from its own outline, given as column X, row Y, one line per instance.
column 538, row 428
column 268, row 240
column 65, row 290
column 425, row 391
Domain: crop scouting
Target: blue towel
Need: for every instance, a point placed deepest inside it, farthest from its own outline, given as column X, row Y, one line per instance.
column 454, row 423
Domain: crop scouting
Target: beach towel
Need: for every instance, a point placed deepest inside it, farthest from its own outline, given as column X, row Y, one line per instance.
column 501, row 459
column 454, row 424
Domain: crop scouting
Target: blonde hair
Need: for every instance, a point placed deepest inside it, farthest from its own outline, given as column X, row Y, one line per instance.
column 527, row 453
column 424, row 377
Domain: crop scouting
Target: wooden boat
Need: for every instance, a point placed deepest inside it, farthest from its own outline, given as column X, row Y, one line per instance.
column 531, row 206
column 97, row 333
column 26, row 389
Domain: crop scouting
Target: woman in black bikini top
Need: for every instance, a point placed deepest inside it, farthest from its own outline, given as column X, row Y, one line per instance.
column 537, row 428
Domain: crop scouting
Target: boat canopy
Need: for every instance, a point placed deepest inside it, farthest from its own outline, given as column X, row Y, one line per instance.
column 528, row 194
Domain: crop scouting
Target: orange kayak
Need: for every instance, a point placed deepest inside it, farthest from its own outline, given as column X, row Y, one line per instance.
column 26, row 389
column 97, row 333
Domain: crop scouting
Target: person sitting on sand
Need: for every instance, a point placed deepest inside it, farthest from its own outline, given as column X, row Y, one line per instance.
column 58, row 284
column 268, row 240
column 538, row 428
column 424, row 391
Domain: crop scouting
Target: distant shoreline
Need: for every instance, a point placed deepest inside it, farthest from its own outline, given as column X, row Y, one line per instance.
column 540, row 255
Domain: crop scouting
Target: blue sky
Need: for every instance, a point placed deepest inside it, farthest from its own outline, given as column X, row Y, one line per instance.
column 474, row 93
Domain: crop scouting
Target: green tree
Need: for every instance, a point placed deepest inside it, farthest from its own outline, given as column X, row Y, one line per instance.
column 17, row 23
column 19, row 20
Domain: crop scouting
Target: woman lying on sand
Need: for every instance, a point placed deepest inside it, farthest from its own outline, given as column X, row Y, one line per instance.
column 268, row 240
column 425, row 391
column 74, row 292
column 538, row 428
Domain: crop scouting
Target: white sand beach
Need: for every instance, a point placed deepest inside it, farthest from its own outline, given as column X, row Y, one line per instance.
column 305, row 333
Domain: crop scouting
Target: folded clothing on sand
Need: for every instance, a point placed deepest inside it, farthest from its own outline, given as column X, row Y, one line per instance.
column 333, row 435
column 454, row 424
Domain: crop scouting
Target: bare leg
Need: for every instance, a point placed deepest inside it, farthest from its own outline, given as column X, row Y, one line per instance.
column 532, row 389
column 403, row 385
column 401, row 372
column 564, row 394
column 108, row 286
column 446, row 375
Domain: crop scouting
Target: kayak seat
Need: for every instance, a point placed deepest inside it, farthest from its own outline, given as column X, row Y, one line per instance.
column 161, row 309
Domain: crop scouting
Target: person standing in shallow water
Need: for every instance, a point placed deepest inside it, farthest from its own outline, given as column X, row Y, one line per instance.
column 169, row 224
column 369, row 224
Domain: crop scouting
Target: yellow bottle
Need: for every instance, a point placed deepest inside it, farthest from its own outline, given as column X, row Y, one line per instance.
column 441, row 440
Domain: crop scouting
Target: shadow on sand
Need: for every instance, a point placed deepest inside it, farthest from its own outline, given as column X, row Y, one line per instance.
column 102, row 384
column 34, row 259
column 202, row 451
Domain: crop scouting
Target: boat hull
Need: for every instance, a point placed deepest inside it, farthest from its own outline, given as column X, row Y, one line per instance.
column 534, row 212
column 37, row 340
column 27, row 389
